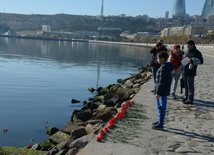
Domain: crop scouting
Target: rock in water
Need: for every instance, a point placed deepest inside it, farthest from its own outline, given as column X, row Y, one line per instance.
column 75, row 101
column 91, row 90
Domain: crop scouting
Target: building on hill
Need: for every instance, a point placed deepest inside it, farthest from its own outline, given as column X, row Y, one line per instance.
column 136, row 35
column 198, row 19
column 162, row 23
column 109, row 29
column 185, row 30
column 46, row 28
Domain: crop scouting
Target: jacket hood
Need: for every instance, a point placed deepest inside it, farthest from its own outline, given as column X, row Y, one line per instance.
column 168, row 66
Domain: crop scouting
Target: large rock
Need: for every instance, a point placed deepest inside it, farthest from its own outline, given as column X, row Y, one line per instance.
column 115, row 99
column 124, row 91
column 90, row 128
column 58, row 137
column 62, row 152
column 135, row 76
column 53, row 151
column 129, row 83
column 104, row 116
column 82, row 115
column 81, row 142
column 70, row 128
column 78, row 132
column 36, row 146
column 108, row 103
column 73, row 151
column 108, row 96
column 87, row 106
column 93, row 122
column 95, row 105
column 61, row 146
column 51, row 131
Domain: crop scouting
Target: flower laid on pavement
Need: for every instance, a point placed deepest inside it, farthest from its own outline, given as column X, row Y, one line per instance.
column 112, row 121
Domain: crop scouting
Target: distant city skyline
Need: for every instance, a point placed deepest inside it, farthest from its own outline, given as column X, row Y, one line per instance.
column 153, row 8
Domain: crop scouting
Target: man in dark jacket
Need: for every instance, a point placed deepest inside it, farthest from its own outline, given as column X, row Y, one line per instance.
column 194, row 57
column 162, row 87
column 153, row 61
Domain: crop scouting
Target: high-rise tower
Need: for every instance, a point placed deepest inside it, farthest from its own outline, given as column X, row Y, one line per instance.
column 208, row 9
column 102, row 9
column 179, row 9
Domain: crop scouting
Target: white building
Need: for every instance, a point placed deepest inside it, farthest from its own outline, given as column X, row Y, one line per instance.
column 46, row 28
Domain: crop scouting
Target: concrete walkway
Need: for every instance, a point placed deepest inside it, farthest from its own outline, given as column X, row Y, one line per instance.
column 189, row 129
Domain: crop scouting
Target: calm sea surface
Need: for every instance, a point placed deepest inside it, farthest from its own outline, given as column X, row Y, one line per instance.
column 39, row 78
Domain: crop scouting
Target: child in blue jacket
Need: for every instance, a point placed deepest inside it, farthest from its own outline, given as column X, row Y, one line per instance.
column 162, row 87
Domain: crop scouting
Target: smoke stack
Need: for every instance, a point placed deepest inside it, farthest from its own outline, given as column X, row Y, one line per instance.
column 102, row 9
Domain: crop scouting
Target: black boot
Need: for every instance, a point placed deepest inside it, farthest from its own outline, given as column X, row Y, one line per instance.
column 159, row 126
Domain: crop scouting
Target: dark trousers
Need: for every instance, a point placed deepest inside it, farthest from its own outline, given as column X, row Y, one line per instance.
column 189, row 87
column 154, row 70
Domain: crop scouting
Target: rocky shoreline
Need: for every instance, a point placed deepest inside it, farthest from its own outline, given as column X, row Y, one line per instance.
column 93, row 116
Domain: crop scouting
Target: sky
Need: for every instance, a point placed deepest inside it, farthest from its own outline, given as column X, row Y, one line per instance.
column 153, row 8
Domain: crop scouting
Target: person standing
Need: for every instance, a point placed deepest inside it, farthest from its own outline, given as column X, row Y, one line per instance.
column 182, row 47
column 194, row 57
column 162, row 87
column 176, row 56
column 153, row 61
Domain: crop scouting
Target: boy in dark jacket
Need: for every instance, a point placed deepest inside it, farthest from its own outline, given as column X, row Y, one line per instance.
column 162, row 87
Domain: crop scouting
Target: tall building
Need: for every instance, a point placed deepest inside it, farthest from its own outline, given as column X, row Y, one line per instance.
column 208, row 9
column 102, row 9
column 179, row 9
column 167, row 14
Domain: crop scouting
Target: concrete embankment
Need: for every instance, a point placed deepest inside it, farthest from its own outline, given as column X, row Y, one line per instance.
column 188, row 128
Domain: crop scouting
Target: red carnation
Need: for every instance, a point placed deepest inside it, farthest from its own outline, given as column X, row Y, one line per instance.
column 106, row 129
column 98, row 139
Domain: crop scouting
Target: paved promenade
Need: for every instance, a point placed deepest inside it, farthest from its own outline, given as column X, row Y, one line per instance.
column 189, row 129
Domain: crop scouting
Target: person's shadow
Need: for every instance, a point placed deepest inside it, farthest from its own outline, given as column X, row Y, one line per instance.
column 208, row 138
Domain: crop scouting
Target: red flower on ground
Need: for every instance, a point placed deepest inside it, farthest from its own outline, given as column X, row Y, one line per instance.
column 30, row 145
column 106, row 129
column 98, row 139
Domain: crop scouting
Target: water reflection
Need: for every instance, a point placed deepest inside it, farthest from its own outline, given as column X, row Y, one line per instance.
column 39, row 79
column 79, row 53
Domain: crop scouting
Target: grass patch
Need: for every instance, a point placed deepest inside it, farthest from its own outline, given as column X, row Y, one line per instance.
column 15, row 150
column 128, row 128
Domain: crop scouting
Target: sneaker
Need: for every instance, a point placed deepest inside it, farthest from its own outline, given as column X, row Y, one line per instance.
column 156, row 123
column 152, row 91
column 187, row 102
column 173, row 96
column 157, row 127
